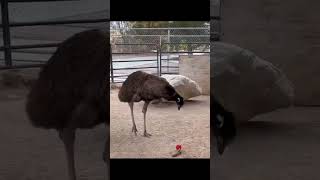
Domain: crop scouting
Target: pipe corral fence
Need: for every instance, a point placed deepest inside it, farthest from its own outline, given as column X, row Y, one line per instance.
column 215, row 21
column 157, row 61
column 8, row 49
column 155, row 50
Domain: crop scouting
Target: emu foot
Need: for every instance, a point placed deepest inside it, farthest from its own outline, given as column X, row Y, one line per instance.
column 134, row 129
column 145, row 134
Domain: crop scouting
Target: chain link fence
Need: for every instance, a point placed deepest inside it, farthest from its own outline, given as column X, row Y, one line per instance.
column 154, row 50
column 215, row 21
column 177, row 36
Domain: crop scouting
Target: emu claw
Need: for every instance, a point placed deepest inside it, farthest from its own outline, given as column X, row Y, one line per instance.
column 134, row 129
column 145, row 134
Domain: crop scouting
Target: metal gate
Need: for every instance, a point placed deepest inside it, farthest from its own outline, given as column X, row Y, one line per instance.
column 169, row 56
column 128, row 58
column 155, row 59
column 9, row 49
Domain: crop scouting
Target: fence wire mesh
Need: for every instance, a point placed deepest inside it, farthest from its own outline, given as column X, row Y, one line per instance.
column 215, row 21
column 154, row 50
column 159, row 36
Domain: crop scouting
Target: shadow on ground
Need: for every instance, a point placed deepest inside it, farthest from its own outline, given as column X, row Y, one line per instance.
column 280, row 145
column 28, row 153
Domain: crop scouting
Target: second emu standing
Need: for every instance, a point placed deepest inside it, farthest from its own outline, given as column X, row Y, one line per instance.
column 71, row 91
column 141, row 86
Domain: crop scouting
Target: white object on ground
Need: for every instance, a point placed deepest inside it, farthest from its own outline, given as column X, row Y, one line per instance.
column 186, row 87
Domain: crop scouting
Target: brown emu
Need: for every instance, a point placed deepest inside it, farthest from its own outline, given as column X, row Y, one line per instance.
column 141, row 86
column 71, row 91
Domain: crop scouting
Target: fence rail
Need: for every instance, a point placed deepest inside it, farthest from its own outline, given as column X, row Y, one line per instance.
column 8, row 48
column 163, row 60
column 215, row 21
column 20, row 1
column 160, row 35
column 164, row 50
column 149, row 45
column 118, row 73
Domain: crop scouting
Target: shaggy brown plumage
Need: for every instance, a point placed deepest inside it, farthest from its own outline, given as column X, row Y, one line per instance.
column 71, row 91
column 141, row 86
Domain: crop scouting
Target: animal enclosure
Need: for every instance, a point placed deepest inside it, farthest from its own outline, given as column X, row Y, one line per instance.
column 189, row 127
column 154, row 50
column 157, row 51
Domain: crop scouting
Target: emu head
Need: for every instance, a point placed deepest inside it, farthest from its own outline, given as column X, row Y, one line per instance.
column 224, row 130
column 172, row 95
column 223, row 126
column 179, row 101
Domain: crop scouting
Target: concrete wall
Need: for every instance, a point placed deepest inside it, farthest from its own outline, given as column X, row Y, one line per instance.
column 196, row 68
column 286, row 33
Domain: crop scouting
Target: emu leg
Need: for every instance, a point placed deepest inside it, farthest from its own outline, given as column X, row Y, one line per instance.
column 106, row 153
column 107, row 159
column 144, row 111
column 67, row 135
column 134, row 128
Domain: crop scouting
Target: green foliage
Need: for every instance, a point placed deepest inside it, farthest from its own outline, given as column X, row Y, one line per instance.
column 165, row 24
column 131, row 28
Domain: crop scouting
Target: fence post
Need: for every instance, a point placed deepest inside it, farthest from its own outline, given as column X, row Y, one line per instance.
column 158, row 72
column 216, row 21
column 160, row 52
column 111, row 65
column 168, row 50
column 6, row 32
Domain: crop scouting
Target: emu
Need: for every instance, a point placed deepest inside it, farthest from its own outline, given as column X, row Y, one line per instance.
column 71, row 90
column 141, row 86
column 223, row 126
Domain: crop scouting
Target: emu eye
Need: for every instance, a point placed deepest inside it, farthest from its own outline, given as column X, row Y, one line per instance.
column 220, row 120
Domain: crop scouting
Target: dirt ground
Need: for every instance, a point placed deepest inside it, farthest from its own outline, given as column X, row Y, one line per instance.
column 284, row 144
column 28, row 153
column 189, row 127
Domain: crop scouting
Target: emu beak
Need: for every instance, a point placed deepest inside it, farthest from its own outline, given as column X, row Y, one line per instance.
column 178, row 101
column 220, row 144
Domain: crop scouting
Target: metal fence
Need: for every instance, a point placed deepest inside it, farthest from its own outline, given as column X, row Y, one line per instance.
column 169, row 57
column 158, row 60
column 124, row 63
column 215, row 21
column 154, row 50
column 160, row 35
column 8, row 49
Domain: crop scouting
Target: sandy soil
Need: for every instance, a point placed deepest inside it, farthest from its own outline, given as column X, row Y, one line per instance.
column 28, row 153
column 284, row 144
column 168, row 126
